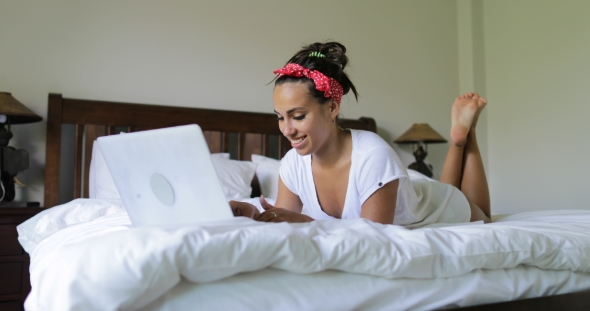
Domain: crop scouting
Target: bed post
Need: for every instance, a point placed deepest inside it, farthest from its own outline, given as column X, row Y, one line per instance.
column 371, row 124
column 53, row 149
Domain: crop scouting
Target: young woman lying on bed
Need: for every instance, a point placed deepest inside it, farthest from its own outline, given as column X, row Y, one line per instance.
column 338, row 173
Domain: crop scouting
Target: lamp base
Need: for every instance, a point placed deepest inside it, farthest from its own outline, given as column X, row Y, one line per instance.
column 5, row 136
column 422, row 167
column 420, row 154
column 12, row 161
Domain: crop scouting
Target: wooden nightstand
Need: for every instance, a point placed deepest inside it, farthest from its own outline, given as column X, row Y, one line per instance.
column 14, row 261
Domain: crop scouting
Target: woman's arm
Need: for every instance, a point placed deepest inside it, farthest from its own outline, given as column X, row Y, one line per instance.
column 287, row 199
column 380, row 206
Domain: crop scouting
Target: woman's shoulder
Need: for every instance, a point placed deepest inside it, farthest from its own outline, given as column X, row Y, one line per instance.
column 366, row 141
column 289, row 156
column 292, row 158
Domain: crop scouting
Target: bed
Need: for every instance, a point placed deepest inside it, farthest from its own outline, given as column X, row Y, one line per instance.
column 85, row 256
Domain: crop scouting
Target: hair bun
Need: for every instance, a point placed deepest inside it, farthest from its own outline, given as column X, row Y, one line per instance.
column 335, row 52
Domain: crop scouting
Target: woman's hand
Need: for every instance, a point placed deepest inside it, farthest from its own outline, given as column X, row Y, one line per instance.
column 244, row 209
column 277, row 214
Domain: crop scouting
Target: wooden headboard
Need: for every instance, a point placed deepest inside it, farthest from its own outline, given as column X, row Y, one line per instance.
column 239, row 133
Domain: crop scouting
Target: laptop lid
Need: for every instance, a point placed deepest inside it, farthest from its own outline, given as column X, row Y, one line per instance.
column 165, row 176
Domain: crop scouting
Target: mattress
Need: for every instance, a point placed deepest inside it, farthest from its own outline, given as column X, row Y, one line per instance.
column 83, row 260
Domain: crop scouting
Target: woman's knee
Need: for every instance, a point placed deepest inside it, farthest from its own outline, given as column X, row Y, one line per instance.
column 477, row 213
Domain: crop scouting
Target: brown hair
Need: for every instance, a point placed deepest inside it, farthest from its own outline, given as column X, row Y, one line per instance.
column 332, row 65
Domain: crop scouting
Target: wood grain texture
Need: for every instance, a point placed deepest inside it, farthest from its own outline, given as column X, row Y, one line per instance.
column 78, row 162
column 53, row 149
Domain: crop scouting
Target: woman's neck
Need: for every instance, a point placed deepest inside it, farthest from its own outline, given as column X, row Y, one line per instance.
column 335, row 150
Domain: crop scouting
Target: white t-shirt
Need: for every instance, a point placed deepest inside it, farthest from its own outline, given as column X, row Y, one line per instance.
column 373, row 165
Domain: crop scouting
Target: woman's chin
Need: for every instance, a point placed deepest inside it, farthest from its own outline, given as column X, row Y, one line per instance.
column 302, row 151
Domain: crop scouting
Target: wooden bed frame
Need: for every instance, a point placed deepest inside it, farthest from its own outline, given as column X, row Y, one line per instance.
column 239, row 133
column 253, row 133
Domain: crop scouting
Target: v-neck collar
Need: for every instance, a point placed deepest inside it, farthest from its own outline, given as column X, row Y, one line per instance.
column 311, row 180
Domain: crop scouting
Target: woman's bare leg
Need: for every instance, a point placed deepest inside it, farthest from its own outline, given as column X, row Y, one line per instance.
column 463, row 167
column 463, row 112
column 474, row 183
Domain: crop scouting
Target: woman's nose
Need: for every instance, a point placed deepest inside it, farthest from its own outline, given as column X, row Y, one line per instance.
column 288, row 129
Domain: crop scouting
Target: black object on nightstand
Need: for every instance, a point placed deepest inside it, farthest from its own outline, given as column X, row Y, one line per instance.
column 12, row 160
column 15, row 284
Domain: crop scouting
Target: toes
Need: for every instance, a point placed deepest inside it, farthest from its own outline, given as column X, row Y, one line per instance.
column 472, row 95
column 467, row 95
column 481, row 103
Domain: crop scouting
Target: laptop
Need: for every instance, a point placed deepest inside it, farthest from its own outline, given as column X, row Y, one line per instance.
column 165, row 176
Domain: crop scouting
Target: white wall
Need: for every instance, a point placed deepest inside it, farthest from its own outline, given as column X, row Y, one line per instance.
column 537, row 73
column 220, row 54
column 471, row 56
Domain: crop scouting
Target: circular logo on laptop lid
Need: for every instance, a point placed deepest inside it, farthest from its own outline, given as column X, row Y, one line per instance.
column 162, row 189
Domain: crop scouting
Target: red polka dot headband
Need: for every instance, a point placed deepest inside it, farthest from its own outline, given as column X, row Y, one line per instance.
column 330, row 86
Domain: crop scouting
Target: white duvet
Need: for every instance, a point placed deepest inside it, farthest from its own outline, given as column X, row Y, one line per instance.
column 100, row 263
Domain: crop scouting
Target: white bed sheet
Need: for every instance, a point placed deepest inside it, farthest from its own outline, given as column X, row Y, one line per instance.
column 100, row 264
column 272, row 289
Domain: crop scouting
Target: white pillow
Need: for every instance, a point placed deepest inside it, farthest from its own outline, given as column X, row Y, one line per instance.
column 222, row 155
column 100, row 181
column 267, row 172
column 49, row 221
column 235, row 177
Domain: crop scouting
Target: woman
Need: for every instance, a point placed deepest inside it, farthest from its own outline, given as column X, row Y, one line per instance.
column 335, row 173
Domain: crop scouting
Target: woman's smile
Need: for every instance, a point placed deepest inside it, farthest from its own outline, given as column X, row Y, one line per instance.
column 296, row 143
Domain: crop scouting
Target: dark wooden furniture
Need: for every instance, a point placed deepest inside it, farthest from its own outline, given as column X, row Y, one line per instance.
column 572, row 301
column 14, row 262
column 252, row 133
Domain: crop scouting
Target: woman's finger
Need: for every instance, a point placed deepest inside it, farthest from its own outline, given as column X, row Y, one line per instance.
column 265, row 204
column 276, row 219
column 264, row 216
column 267, row 216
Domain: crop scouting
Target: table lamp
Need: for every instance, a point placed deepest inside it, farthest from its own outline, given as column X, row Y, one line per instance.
column 420, row 134
column 12, row 160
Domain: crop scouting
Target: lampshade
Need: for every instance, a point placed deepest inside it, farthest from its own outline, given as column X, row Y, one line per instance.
column 420, row 132
column 15, row 111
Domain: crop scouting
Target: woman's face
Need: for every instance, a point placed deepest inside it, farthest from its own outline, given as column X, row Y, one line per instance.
column 302, row 119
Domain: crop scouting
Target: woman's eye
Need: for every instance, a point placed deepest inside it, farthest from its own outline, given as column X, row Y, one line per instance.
column 279, row 118
column 301, row 117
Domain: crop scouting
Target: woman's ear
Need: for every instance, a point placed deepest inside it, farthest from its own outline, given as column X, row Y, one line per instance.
column 334, row 108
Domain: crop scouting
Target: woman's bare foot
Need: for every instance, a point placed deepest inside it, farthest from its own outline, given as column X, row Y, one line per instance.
column 463, row 114
column 481, row 103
